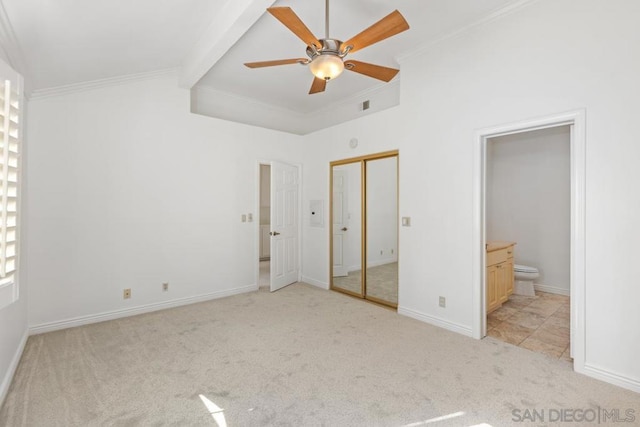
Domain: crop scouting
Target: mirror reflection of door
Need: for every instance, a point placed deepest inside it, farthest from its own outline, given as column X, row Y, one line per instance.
column 347, row 228
column 364, row 227
column 382, row 229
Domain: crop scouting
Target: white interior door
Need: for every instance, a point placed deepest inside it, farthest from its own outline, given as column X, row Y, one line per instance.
column 340, row 223
column 284, row 225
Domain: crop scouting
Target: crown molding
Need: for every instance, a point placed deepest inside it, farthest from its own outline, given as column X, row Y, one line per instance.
column 100, row 83
column 487, row 19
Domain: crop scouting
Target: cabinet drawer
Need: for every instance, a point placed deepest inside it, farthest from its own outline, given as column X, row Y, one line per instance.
column 501, row 255
column 509, row 252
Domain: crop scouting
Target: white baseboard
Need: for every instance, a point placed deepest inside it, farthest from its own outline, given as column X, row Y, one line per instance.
column 611, row 378
column 147, row 308
column 352, row 268
column 551, row 289
column 314, row 282
column 436, row 321
column 382, row 262
column 8, row 377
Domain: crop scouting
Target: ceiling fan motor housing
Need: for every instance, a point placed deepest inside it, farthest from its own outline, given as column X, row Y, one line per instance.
column 329, row 47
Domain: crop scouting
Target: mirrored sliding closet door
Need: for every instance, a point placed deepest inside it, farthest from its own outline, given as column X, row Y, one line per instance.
column 364, row 227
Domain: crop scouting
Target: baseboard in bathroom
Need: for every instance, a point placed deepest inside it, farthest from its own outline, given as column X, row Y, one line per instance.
column 551, row 289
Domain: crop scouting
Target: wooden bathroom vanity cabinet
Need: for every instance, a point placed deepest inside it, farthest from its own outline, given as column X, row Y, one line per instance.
column 499, row 278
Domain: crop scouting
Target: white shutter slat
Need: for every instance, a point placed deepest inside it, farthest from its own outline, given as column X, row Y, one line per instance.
column 10, row 133
column 9, row 265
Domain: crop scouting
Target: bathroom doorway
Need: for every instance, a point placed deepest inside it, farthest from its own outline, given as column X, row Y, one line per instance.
column 575, row 121
column 528, row 227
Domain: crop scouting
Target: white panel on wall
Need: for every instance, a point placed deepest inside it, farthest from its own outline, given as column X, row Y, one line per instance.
column 528, row 200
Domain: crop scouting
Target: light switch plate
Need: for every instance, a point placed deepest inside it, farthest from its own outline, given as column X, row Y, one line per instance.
column 406, row 221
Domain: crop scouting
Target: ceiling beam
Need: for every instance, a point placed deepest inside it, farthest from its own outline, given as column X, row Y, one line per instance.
column 235, row 19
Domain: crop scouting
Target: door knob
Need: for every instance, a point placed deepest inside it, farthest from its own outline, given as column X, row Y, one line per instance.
column 274, row 233
column 344, row 228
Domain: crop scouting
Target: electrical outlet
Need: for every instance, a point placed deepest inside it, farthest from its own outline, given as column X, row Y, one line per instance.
column 126, row 294
column 250, row 217
column 443, row 302
column 243, row 218
column 165, row 286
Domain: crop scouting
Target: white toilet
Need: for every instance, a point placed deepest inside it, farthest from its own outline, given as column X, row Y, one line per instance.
column 524, row 277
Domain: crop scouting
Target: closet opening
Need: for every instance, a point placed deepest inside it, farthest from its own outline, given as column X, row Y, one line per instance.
column 364, row 227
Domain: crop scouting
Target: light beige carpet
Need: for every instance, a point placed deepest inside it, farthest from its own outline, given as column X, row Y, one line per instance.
column 298, row 357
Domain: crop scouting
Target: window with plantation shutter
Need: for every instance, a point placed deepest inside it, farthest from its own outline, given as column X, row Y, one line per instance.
column 10, row 135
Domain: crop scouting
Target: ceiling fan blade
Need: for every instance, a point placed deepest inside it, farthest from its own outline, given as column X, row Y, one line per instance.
column 376, row 71
column 261, row 64
column 295, row 24
column 388, row 26
column 318, row 85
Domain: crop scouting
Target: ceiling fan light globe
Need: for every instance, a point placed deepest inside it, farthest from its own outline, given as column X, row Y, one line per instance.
column 327, row 67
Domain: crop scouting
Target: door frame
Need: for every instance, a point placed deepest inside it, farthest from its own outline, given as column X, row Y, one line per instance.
column 256, row 225
column 576, row 120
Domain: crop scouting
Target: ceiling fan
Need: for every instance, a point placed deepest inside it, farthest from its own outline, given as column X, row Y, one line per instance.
column 326, row 56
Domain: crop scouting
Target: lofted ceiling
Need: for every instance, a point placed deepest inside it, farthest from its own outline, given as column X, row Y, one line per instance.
column 65, row 42
column 68, row 42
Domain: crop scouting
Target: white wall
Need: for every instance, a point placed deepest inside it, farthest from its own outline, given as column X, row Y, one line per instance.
column 528, row 200
column 382, row 211
column 545, row 58
column 130, row 190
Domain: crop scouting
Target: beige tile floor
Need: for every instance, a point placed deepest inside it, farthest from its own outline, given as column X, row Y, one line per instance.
column 539, row 323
